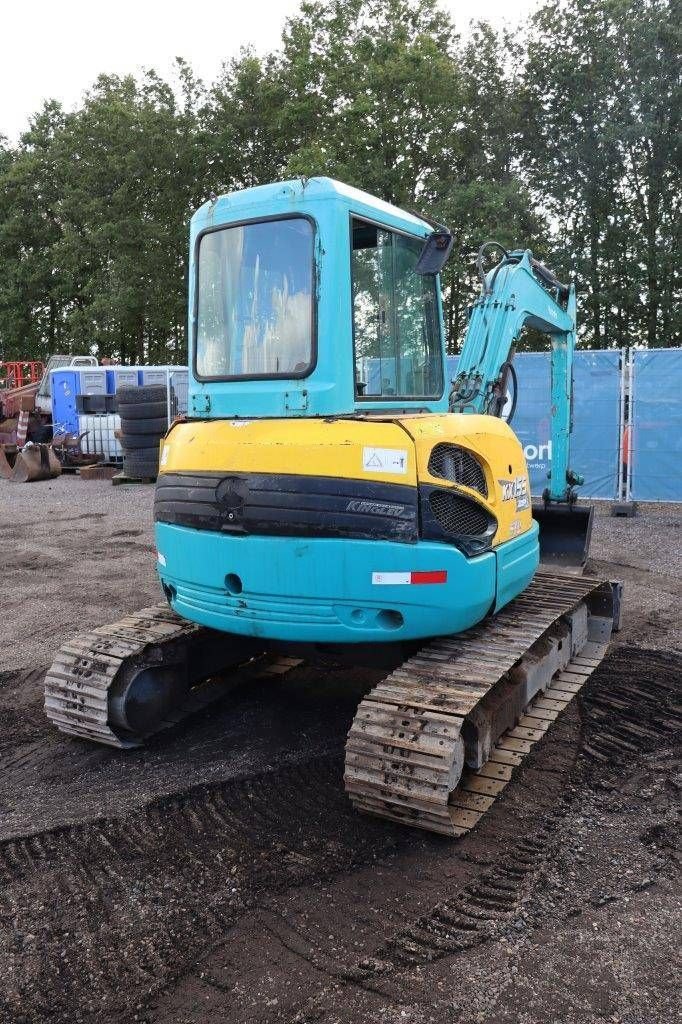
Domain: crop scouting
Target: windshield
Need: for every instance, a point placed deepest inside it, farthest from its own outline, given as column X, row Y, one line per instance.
column 396, row 327
column 255, row 300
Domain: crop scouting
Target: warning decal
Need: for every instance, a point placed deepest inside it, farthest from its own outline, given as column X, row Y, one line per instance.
column 384, row 460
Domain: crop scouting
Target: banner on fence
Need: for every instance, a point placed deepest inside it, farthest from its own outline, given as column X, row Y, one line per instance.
column 596, row 418
column 655, row 441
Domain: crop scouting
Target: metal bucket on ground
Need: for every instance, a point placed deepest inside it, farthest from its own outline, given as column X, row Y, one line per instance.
column 565, row 533
column 28, row 464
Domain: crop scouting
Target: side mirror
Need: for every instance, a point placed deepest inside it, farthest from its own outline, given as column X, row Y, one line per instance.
column 435, row 253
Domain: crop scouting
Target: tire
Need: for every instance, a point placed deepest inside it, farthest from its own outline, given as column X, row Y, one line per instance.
column 41, row 434
column 142, row 395
column 139, row 442
column 144, row 410
column 150, row 425
column 137, row 468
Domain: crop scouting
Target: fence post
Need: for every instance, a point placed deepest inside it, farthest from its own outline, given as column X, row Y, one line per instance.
column 619, row 489
column 630, row 420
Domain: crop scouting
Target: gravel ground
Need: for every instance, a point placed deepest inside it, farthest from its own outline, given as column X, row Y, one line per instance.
column 76, row 554
column 220, row 874
column 646, row 553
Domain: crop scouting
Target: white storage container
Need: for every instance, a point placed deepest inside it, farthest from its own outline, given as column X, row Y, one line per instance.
column 154, row 375
column 126, row 376
column 99, row 435
column 179, row 384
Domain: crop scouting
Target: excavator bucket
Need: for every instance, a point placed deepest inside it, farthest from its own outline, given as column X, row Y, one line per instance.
column 565, row 533
column 5, row 467
column 34, row 462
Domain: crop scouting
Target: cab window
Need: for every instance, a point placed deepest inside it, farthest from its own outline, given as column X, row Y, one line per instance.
column 255, row 300
column 395, row 317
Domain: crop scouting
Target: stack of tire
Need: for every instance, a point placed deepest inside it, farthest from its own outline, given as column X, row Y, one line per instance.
column 144, row 421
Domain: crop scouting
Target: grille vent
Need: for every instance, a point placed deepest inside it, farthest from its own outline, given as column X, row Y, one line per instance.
column 450, row 462
column 460, row 516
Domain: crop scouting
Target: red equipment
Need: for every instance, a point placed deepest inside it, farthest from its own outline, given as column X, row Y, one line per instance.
column 19, row 373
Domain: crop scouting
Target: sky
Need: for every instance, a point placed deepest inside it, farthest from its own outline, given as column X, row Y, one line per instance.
column 57, row 48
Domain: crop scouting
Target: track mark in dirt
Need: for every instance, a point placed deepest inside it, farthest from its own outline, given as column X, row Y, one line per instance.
column 100, row 918
column 471, row 916
column 631, row 710
column 666, row 582
column 625, row 715
column 30, row 526
column 163, row 884
column 628, row 712
column 37, row 561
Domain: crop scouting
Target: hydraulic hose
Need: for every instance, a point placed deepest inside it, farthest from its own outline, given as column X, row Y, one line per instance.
column 479, row 260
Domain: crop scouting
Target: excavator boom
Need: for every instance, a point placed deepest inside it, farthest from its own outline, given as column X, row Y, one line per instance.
column 520, row 292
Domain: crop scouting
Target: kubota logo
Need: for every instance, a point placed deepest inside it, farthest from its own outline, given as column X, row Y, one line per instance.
column 374, row 508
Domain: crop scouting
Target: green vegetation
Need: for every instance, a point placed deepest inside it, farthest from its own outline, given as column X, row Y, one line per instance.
column 564, row 137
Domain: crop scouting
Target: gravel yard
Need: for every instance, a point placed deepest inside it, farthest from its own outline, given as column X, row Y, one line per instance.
column 220, row 874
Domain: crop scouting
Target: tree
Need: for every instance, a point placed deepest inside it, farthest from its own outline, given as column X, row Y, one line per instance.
column 383, row 95
column 602, row 147
column 94, row 240
column 244, row 137
column 565, row 140
column 32, row 288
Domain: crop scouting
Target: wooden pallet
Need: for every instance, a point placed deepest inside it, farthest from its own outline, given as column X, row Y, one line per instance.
column 121, row 478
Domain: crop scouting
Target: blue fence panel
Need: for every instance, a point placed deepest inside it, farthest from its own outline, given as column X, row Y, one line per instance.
column 656, row 431
column 595, row 443
column 596, row 419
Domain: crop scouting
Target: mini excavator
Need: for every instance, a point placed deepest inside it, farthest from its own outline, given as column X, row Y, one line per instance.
column 329, row 489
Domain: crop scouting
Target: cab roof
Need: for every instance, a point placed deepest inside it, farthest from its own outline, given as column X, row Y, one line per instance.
column 287, row 196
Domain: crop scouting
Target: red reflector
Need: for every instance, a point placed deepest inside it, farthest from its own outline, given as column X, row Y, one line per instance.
column 437, row 576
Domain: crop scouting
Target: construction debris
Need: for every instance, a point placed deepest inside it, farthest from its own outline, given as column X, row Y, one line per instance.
column 28, row 464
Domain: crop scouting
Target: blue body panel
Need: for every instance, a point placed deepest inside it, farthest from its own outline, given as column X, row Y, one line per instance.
column 291, row 586
column 517, row 561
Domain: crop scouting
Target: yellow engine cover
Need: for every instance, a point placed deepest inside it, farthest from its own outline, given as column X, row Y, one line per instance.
column 389, row 450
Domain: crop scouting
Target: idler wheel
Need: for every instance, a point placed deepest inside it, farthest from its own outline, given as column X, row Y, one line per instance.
column 147, row 698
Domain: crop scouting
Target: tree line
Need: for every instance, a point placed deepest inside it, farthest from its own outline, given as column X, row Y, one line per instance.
column 562, row 136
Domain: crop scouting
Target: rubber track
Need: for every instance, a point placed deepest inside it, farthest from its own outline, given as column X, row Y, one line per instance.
column 79, row 681
column 404, row 743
